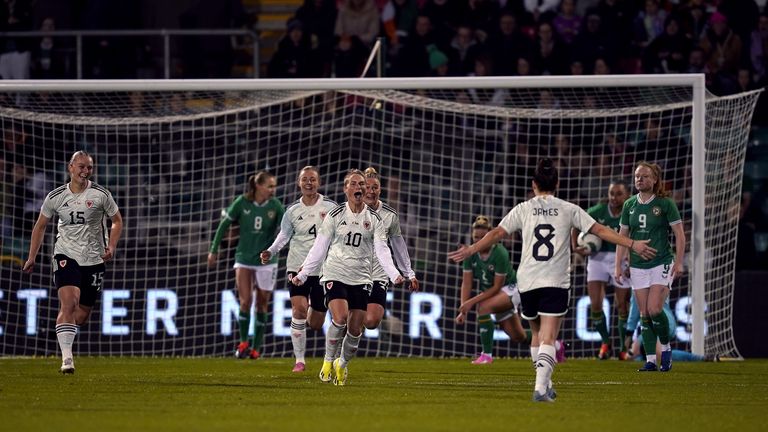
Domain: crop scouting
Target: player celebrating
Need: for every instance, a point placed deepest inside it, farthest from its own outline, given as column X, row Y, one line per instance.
column 258, row 214
column 651, row 215
column 300, row 224
column 498, row 292
column 377, row 300
column 544, row 274
column 345, row 246
column 600, row 269
column 82, row 247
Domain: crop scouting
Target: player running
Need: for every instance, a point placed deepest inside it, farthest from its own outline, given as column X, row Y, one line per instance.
column 82, row 247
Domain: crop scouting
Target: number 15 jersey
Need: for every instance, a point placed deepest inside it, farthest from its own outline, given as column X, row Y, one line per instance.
column 545, row 222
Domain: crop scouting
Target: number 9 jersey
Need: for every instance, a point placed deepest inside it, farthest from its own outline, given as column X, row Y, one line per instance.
column 545, row 222
column 82, row 228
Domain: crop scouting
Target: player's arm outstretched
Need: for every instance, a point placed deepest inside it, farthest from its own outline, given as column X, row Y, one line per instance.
column 464, row 252
column 639, row 246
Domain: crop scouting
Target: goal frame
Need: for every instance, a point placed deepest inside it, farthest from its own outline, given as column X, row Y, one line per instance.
column 694, row 81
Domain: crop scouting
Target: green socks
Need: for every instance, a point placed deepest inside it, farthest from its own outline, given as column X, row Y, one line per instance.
column 487, row 327
column 598, row 322
column 258, row 330
column 243, row 322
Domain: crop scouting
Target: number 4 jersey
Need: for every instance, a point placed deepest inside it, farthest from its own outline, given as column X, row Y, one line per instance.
column 82, row 229
column 545, row 222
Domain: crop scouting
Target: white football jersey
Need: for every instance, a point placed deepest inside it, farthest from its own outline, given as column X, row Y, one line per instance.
column 545, row 222
column 351, row 252
column 301, row 223
column 391, row 222
column 82, row 229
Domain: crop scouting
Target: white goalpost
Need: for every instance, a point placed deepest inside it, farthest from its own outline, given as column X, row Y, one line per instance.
column 175, row 152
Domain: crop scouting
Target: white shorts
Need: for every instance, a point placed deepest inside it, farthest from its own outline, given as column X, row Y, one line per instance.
column 514, row 296
column 266, row 275
column 601, row 268
column 645, row 278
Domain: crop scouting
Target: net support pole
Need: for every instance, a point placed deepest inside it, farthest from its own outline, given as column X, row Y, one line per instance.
column 698, row 243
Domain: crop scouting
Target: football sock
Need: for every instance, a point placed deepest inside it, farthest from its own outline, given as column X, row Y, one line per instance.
column 299, row 338
column 544, row 368
column 487, row 326
column 349, row 348
column 335, row 333
column 622, row 330
column 598, row 322
column 661, row 327
column 534, row 355
column 65, row 333
column 259, row 326
column 243, row 322
column 649, row 338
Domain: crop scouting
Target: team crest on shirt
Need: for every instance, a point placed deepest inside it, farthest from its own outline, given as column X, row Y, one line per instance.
column 62, row 263
column 271, row 214
column 367, row 225
column 656, row 210
column 329, row 285
column 490, row 267
column 322, row 215
column 89, row 203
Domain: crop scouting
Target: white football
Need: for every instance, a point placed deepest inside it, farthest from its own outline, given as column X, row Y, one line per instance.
column 590, row 241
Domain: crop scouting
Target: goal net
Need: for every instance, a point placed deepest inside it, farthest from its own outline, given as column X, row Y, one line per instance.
column 174, row 154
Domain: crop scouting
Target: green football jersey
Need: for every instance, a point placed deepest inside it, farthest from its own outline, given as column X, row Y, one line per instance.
column 602, row 214
column 258, row 228
column 650, row 221
column 486, row 270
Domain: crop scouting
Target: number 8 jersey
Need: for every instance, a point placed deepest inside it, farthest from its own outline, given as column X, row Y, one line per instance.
column 82, row 227
column 545, row 222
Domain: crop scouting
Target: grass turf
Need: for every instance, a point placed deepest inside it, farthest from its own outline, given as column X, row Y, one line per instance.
column 190, row 394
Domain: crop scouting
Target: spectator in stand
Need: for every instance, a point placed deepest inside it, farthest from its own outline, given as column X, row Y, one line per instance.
column 601, row 67
column 293, row 58
column 398, row 18
column 549, row 55
column 412, row 59
column 508, row 44
column 668, row 53
column 567, row 24
column 349, row 57
column 696, row 63
column 759, row 50
column 648, row 25
column 438, row 62
column 592, row 43
column 465, row 49
column 358, row 18
column 744, row 81
column 488, row 96
column 319, row 20
column 49, row 61
column 541, row 10
column 722, row 51
column 480, row 15
column 694, row 19
column 576, row 67
column 742, row 16
column 615, row 20
column 15, row 15
column 443, row 14
column 523, row 67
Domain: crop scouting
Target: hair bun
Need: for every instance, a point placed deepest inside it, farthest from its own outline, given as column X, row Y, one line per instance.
column 370, row 170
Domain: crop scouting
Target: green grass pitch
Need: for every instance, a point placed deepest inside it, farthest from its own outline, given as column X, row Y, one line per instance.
column 393, row 394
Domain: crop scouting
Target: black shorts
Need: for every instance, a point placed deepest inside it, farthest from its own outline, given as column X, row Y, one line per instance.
column 311, row 288
column 355, row 295
column 67, row 271
column 545, row 301
column 379, row 293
